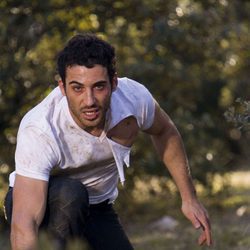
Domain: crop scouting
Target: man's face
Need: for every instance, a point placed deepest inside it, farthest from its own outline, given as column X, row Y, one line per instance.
column 88, row 91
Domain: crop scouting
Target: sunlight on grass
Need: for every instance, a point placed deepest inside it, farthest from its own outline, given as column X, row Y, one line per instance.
column 234, row 189
column 144, row 188
column 240, row 179
column 152, row 185
column 236, row 200
column 237, row 180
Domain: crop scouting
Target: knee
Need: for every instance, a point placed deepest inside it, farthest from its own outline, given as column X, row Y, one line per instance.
column 68, row 192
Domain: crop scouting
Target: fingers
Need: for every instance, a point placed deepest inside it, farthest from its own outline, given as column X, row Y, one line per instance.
column 188, row 212
column 198, row 216
column 195, row 222
column 206, row 233
column 201, row 220
column 205, row 236
column 202, row 239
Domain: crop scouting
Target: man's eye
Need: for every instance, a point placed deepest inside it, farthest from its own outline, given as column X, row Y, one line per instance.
column 77, row 89
column 99, row 87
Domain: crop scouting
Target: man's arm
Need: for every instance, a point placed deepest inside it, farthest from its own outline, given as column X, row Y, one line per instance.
column 29, row 203
column 169, row 145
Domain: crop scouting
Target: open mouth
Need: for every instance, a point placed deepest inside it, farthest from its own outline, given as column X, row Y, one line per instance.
column 91, row 114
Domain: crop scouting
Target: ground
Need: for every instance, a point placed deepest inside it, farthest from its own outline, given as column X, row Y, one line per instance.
column 228, row 205
column 229, row 209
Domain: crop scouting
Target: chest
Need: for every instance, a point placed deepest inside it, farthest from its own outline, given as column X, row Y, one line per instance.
column 80, row 148
column 125, row 132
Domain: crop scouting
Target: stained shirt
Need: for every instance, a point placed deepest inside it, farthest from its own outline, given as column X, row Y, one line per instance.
column 49, row 142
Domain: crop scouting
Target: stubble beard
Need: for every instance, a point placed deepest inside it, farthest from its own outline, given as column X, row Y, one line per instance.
column 90, row 125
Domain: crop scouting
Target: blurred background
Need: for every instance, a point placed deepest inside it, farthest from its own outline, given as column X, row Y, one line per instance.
column 194, row 56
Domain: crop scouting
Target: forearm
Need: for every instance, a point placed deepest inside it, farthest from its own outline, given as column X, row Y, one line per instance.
column 169, row 145
column 27, row 219
column 23, row 237
column 171, row 150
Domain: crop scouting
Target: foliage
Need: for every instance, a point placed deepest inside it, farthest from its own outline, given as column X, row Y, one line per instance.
column 193, row 55
column 239, row 114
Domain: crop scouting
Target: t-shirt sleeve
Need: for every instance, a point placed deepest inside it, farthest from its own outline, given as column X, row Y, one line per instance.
column 35, row 154
column 144, row 104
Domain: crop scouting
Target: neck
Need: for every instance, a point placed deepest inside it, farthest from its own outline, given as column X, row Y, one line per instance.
column 95, row 131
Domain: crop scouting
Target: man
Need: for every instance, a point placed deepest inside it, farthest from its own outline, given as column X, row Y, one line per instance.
column 71, row 149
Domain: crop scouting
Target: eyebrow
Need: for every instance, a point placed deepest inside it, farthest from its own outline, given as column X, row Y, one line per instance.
column 82, row 84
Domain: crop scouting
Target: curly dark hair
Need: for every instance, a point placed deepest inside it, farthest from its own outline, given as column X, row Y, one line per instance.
column 86, row 50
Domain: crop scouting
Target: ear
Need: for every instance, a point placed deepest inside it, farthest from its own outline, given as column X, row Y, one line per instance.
column 61, row 86
column 114, row 82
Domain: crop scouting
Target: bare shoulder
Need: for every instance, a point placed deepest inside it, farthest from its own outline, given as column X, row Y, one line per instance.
column 161, row 122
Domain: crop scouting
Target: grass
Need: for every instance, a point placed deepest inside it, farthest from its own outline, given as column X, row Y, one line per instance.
column 229, row 209
column 229, row 233
column 228, row 206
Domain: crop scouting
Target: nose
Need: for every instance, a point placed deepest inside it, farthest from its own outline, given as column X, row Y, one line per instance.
column 89, row 98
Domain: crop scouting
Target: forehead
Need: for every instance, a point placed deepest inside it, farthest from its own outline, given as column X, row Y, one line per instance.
column 83, row 74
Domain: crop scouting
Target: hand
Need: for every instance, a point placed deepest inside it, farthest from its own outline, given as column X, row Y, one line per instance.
column 198, row 215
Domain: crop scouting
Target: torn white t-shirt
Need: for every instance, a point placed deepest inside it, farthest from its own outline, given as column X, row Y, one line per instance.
column 49, row 142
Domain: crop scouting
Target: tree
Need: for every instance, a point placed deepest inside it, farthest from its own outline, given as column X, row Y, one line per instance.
column 192, row 55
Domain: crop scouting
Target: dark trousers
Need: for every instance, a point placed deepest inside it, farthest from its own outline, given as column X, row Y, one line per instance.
column 68, row 215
